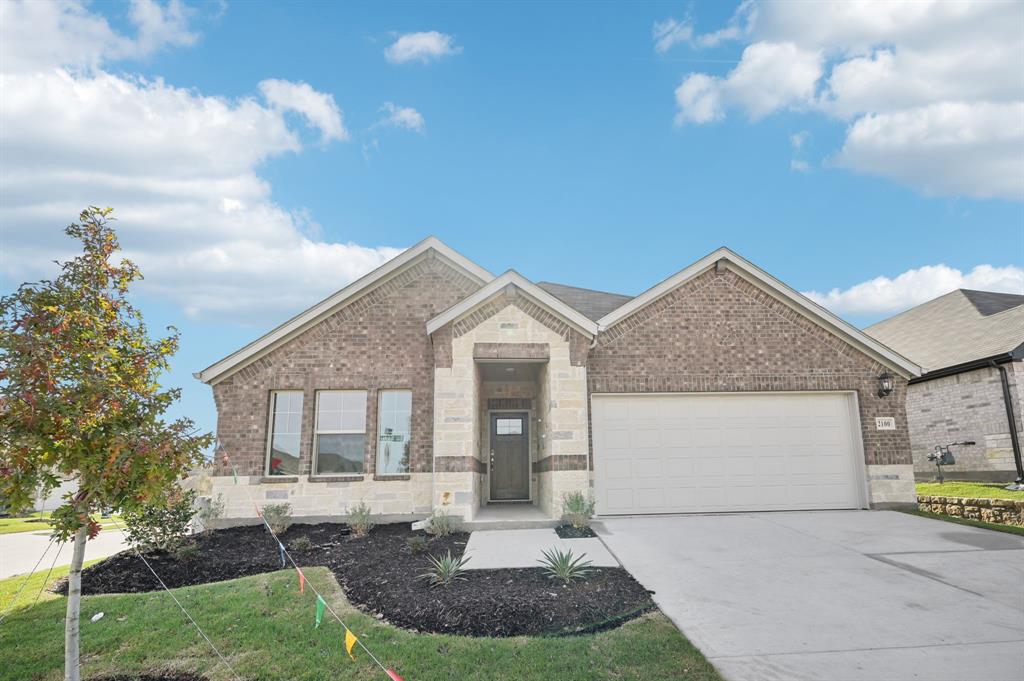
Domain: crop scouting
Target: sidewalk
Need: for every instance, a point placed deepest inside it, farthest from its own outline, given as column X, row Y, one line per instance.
column 20, row 551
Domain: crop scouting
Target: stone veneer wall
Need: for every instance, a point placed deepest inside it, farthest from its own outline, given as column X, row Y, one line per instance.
column 720, row 333
column 967, row 406
column 563, row 427
column 377, row 341
column 1002, row 511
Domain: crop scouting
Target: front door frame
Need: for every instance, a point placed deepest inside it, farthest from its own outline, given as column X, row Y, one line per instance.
column 529, row 454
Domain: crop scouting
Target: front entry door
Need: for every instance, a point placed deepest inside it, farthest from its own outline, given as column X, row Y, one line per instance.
column 510, row 457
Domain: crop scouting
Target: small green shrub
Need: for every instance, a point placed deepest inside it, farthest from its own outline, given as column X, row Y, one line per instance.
column 213, row 512
column 161, row 528
column 416, row 544
column 278, row 517
column 441, row 524
column 445, row 570
column 302, row 543
column 563, row 565
column 360, row 520
column 577, row 509
column 185, row 549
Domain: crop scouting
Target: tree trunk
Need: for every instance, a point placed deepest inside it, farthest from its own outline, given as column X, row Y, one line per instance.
column 71, row 667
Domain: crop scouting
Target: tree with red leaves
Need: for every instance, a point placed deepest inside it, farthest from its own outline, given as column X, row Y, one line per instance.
column 80, row 398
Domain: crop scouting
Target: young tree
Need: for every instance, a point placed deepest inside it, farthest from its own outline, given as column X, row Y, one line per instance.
column 80, row 397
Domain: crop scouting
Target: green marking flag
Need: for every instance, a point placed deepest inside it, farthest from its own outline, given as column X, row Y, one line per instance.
column 320, row 605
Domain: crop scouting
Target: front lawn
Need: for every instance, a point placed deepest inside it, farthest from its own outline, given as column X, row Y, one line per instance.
column 33, row 588
column 265, row 628
column 1009, row 529
column 40, row 522
column 969, row 490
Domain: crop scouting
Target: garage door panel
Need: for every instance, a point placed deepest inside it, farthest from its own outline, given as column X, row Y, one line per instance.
column 714, row 453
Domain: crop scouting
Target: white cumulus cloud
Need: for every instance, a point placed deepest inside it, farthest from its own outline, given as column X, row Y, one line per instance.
column 404, row 117
column 424, row 46
column 883, row 295
column 181, row 169
column 930, row 91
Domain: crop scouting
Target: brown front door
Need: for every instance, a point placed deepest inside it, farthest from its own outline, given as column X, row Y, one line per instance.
column 510, row 457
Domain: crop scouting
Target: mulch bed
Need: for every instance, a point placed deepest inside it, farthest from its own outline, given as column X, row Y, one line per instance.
column 379, row 574
column 570, row 532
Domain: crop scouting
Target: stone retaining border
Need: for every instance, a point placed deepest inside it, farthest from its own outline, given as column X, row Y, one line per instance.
column 999, row 511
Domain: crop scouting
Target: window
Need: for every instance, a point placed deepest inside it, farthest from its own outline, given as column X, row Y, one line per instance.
column 509, row 426
column 394, row 420
column 340, row 432
column 285, row 428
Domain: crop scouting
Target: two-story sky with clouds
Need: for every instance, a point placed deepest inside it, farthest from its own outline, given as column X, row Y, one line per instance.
column 259, row 156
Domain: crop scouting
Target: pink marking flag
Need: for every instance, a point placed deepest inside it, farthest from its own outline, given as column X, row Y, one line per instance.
column 302, row 581
column 393, row 675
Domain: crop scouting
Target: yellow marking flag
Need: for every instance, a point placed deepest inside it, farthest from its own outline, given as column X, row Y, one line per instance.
column 350, row 642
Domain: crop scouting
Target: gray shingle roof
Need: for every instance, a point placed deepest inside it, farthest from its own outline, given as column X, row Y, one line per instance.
column 958, row 327
column 593, row 304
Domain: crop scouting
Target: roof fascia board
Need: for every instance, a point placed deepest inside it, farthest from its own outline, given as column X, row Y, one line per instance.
column 794, row 299
column 513, row 278
column 963, row 367
column 304, row 320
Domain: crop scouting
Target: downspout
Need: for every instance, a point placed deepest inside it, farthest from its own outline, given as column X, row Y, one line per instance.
column 1014, row 436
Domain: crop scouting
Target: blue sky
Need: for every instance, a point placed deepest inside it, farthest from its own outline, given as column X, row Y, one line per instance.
column 559, row 139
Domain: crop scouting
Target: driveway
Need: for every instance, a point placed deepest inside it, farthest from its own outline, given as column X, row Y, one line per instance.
column 21, row 550
column 834, row 595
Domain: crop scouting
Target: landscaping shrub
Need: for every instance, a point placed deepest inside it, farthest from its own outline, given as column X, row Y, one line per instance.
column 302, row 544
column 441, row 524
column 161, row 528
column 416, row 544
column 359, row 519
column 212, row 512
column 577, row 509
column 563, row 565
column 445, row 570
column 278, row 517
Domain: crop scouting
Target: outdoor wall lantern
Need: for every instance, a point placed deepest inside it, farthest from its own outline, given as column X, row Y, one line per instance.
column 885, row 384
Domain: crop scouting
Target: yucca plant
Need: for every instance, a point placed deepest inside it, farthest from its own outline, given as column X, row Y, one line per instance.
column 563, row 565
column 445, row 570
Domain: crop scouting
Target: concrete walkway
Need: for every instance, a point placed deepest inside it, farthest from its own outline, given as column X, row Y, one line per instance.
column 20, row 551
column 834, row 596
column 492, row 549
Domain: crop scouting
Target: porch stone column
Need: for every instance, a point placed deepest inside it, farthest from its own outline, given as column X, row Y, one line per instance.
column 456, row 436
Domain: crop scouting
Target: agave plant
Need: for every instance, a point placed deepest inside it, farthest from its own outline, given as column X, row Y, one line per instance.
column 563, row 565
column 445, row 570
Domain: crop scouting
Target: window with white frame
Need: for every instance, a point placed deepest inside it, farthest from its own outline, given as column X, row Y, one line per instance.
column 394, row 431
column 340, row 432
column 285, row 432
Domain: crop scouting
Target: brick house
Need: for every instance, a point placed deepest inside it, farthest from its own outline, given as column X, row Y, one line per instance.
column 970, row 345
column 432, row 384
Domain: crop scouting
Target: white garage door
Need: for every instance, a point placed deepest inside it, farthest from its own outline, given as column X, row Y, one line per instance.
column 705, row 453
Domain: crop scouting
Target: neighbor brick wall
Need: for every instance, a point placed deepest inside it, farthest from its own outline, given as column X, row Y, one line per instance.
column 967, row 406
column 720, row 333
column 377, row 341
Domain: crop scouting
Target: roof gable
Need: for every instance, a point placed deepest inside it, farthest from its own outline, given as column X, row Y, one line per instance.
column 328, row 306
column 723, row 257
column 511, row 278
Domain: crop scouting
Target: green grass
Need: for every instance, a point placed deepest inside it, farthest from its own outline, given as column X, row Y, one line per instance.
column 265, row 628
column 972, row 490
column 39, row 522
column 33, row 583
column 1009, row 529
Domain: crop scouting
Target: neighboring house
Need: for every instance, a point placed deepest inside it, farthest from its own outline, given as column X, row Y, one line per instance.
column 431, row 384
column 970, row 345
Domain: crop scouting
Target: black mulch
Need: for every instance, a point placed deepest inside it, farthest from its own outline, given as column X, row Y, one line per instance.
column 379, row 574
column 570, row 532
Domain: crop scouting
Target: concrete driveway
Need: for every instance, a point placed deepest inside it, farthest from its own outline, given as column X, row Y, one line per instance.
column 834, row 595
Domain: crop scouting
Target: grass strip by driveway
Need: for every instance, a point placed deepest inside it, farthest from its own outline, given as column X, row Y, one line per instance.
column 10, row 586
column 1009, row 529
column 968, row 490
column 40, row 522
column 265, row 628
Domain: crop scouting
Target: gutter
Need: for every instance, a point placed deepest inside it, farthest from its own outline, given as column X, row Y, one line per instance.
column 1014, row 436
column 1001, row 358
